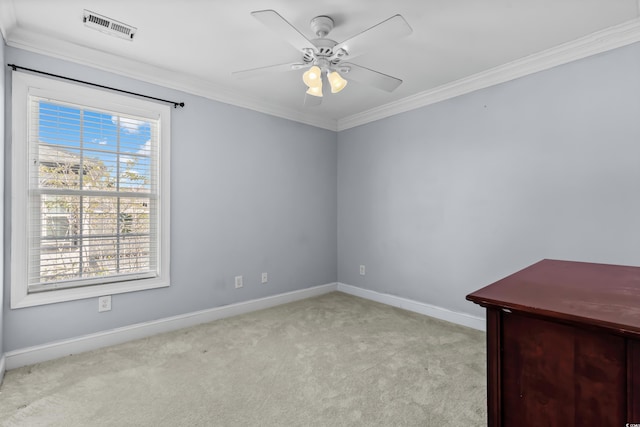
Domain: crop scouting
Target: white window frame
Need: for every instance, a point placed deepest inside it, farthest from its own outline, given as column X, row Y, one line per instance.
column 25, row 85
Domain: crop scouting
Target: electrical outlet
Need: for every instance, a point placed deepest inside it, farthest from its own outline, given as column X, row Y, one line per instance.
column 362, row 270
column 104, row 303
column 265, row 278
column 238, row 282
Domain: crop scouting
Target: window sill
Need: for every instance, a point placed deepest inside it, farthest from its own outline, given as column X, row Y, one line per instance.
column 72, row 294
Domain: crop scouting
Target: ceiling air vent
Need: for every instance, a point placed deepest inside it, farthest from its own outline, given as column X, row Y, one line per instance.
column 108, row 25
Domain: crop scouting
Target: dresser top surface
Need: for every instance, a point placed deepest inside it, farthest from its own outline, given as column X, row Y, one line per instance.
column 598, row 294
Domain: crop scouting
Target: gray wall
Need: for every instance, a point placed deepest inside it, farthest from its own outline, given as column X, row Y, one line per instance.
column 435, row 202
column 442, row 200
column 250, row 193
column 2, row 91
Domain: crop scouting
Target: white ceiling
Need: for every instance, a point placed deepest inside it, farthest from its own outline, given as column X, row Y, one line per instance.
column 456, row 46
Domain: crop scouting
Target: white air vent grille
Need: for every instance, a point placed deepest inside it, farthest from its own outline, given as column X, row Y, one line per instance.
column 108, row 25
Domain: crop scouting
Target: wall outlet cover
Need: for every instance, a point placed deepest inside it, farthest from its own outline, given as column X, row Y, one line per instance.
column 104, row 303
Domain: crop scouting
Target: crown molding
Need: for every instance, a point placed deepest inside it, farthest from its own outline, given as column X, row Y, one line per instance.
column 178, row 80
column 592, row 44
column 597, row 42
column 7, row 18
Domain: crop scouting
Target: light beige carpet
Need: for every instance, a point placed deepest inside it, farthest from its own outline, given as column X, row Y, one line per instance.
column 333, row 360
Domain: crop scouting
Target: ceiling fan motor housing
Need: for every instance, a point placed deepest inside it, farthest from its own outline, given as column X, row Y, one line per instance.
column 324, row 47
column 322, row 26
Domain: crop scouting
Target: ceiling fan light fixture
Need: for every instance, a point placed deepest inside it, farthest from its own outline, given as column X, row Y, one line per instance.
column 313, row 77
column 336, row 81
column 315, row 91
column 324, row 56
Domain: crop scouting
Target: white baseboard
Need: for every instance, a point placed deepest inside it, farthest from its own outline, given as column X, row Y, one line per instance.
column 416, row 306
column 57, row 349
column 2, row 368
column 41, row 353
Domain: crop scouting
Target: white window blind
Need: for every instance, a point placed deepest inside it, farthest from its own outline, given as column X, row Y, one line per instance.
column 93, row 196
column 90, row 183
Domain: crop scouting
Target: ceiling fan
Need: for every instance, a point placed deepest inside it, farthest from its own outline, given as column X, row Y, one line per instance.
column 324, row 57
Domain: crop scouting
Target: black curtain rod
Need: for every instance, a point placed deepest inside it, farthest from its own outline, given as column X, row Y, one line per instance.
column 175, row 104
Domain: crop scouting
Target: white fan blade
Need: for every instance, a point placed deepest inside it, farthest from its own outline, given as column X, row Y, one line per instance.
column 288, row 32
column 254, row 72
column 392, row 28
column 312, row 101
column 364, row 75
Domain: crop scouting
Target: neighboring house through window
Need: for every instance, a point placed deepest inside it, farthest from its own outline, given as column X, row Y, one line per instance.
column 90, row 192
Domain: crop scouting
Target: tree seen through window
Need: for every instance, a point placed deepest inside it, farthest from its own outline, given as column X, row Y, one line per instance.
column 94, row 180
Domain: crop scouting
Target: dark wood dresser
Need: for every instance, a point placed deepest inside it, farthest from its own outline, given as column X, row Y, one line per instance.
column 563, row 345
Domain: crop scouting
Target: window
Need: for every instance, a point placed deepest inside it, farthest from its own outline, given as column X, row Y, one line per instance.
column 90, row 192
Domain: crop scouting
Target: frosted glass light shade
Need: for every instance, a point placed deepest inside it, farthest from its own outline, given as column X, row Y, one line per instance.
column 336, row 81
column 313, row 77
column 316, row 91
